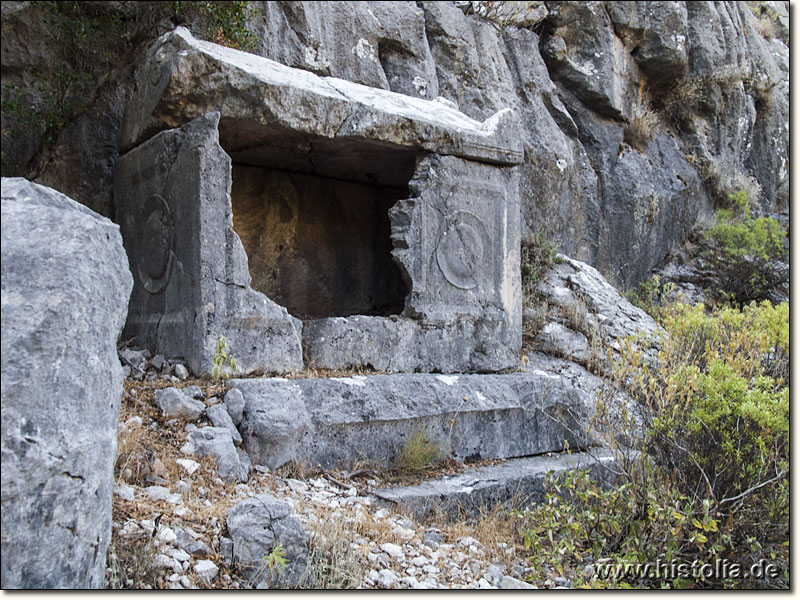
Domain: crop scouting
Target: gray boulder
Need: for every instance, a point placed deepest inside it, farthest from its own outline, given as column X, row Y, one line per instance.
column 380, row 44
column 557, row 339
column 657, row 32
column 256, row 526
column 175, row 403
column 585, row 54
column 511, row 583
column 217, row 443
column 595, row 390
column 579, row 289
column 234, row 404
column 135, row 360
column 181, row 372
column 65, row 289
column 220, row 418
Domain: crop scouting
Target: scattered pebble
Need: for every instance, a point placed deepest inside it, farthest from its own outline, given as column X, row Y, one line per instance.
column 166, row 535
column 393, row 550
column 124, row 491
column 206, row 569
column 180, row 372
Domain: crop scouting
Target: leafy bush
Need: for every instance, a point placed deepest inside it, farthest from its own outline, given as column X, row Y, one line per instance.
column 740, row 251
column 650, row 293
column 702, row 455
column 222, row 22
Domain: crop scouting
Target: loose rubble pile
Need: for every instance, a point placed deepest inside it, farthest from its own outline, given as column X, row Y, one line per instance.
column 190, row 507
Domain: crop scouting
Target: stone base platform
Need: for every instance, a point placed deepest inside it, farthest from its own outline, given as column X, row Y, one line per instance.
column 514, row 484
column 341, row 422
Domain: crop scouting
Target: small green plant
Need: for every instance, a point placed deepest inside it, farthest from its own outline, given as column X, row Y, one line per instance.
column 275, row 562
column 418, row 454
column 222, row 360
column 740, row 250
column 650, row 294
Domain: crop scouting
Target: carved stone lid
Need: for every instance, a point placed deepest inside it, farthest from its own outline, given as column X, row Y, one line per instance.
column 183, row 78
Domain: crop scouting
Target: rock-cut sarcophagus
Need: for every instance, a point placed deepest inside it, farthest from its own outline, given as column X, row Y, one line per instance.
column 314, row 221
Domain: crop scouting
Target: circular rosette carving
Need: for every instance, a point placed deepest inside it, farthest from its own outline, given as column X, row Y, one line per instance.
column 154, row 258
column 462, row 248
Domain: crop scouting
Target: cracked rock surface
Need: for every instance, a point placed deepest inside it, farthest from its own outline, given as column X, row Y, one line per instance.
column 65, row 293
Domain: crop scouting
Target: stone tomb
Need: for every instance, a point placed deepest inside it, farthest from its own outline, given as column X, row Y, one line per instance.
column 313, row 221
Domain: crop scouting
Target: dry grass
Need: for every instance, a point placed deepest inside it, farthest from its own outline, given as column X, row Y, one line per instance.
column 766, row 27
column 418, row 454
column 640, row 130
column 722, row 180
column 498, row 530
column 533, row 320
column 333, row 561
column 132, row 564
column 577, row 317
column 689, row 96
column 310, row 373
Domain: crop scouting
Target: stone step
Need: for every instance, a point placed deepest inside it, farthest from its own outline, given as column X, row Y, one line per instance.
column 513, row 484
column 341, row 422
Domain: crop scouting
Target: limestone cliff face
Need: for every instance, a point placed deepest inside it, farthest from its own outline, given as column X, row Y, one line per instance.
column 635, row 117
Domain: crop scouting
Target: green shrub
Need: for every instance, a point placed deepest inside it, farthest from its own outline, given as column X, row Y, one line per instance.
column 650, row 293
column 222, row 22
column 740, row 250
column 702, row 455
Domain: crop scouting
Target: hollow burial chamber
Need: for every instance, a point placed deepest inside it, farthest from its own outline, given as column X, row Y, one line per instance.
column 313, row 215
column 389, row 224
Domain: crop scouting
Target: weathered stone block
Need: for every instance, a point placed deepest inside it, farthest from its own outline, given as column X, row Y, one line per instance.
column 514, row 484
column 65, row 289
column 175, row 403
column 217, row 443
column 191, row 283
column 339, row 421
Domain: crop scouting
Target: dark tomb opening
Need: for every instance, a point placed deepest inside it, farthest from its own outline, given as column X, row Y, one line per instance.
column 312, row 214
